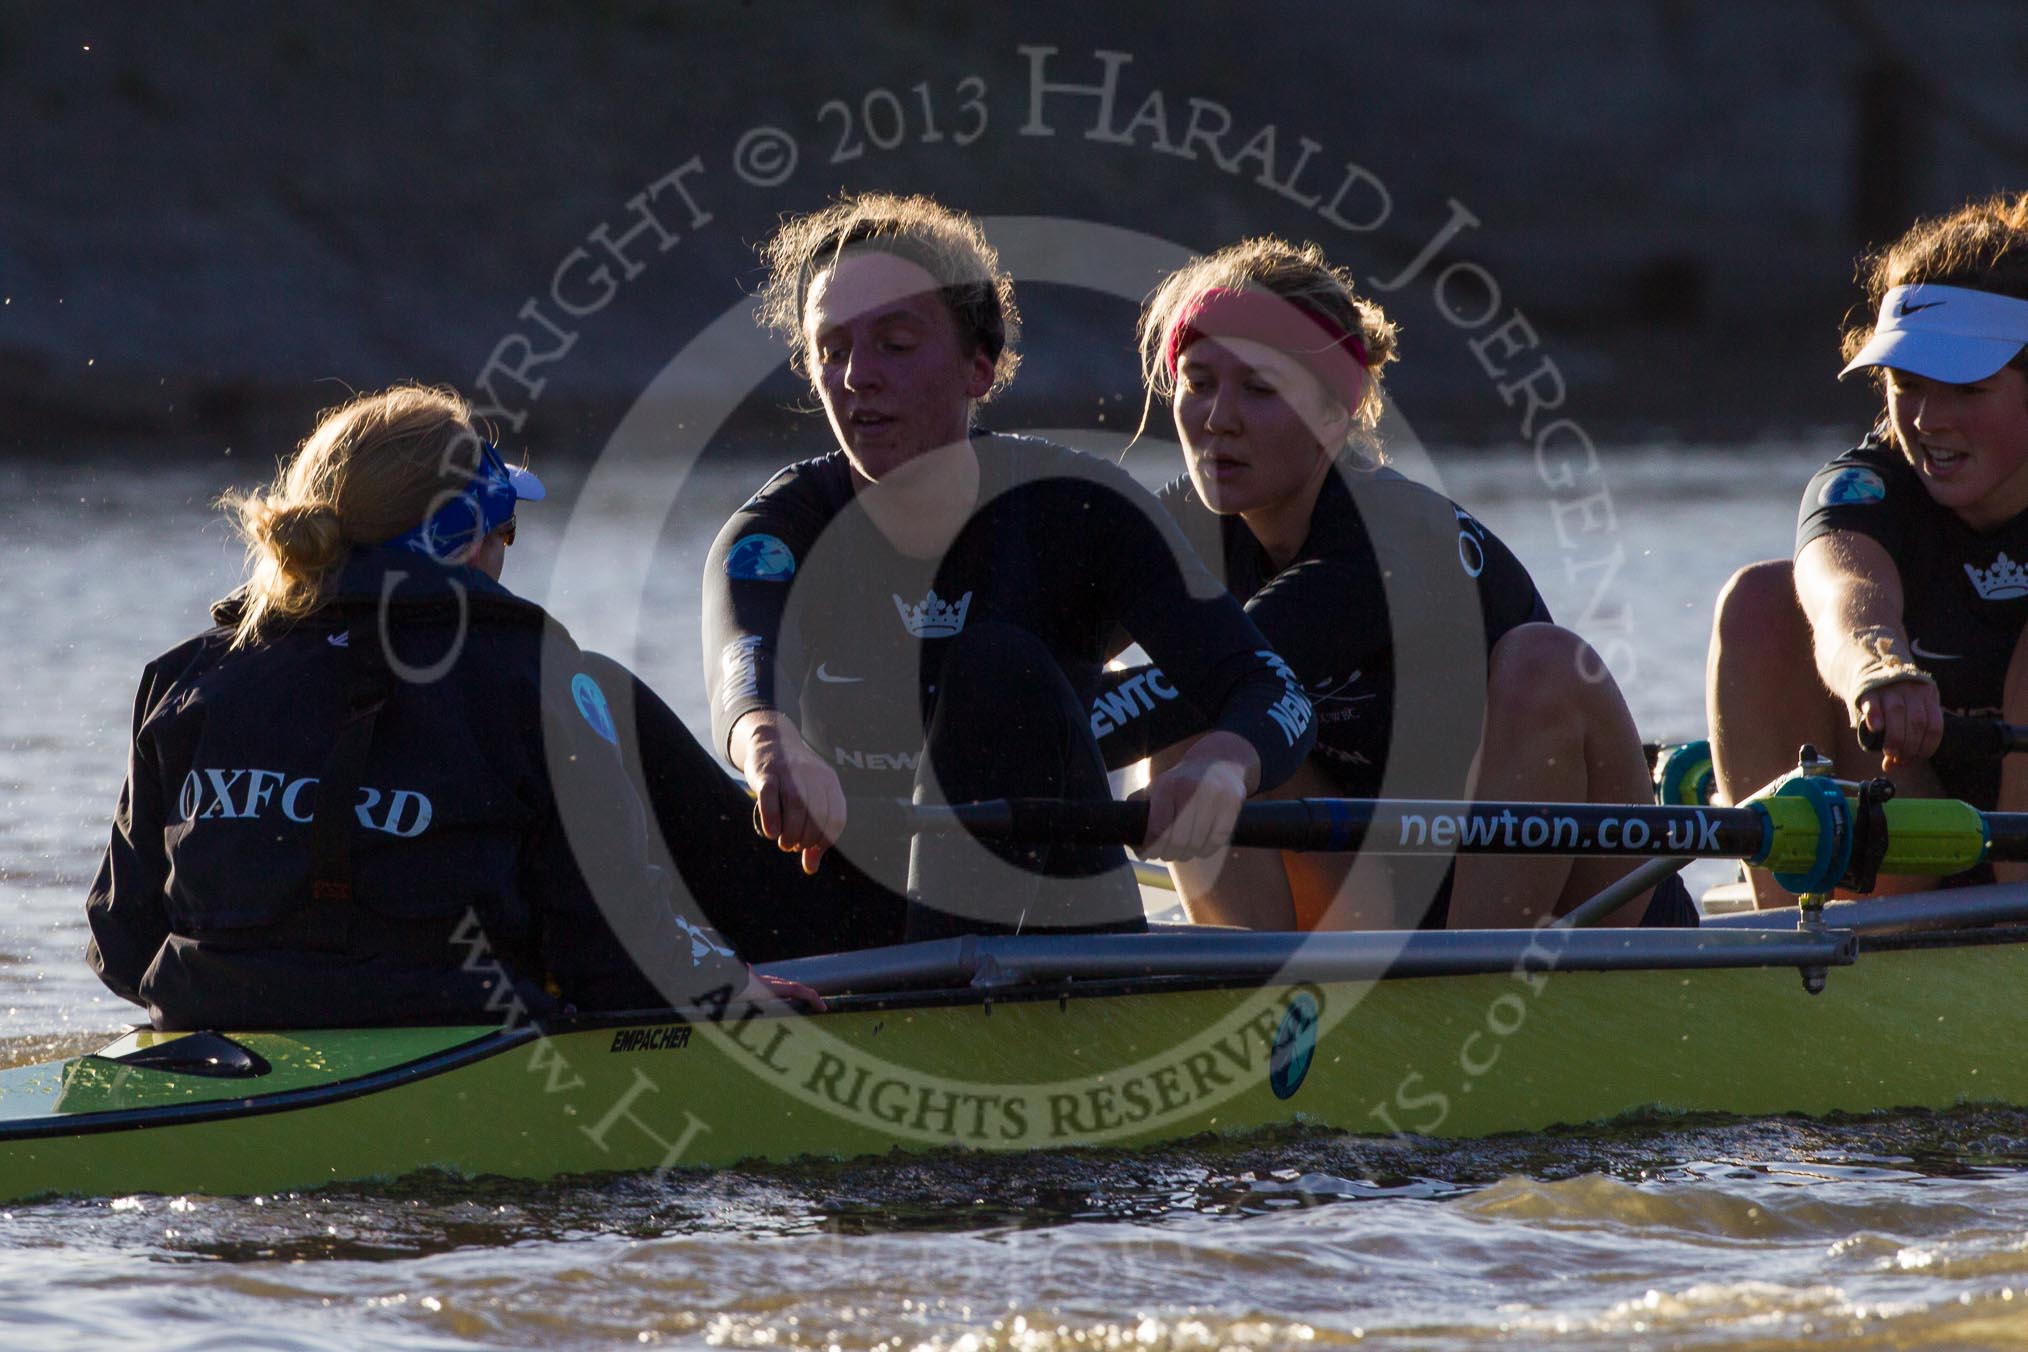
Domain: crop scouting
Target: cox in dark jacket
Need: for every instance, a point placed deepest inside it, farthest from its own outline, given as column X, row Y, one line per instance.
column 384, row 789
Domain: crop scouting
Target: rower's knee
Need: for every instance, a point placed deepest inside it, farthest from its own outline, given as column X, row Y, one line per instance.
column 1002, row 719
column 1004, row 677
column 1756, row 603
column 1539, row 676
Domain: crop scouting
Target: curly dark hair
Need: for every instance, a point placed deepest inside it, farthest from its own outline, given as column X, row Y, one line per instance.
column 946, row 244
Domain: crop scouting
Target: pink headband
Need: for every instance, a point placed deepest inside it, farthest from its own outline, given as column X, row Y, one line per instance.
column 1333, row 356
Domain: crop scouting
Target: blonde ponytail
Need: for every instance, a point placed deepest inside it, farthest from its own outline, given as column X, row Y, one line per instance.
column 372, row 469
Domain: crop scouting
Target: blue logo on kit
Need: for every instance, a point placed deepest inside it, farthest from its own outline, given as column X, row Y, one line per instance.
column 1852, row 487
column 1294, row 1047
column 591, row 702
column 760, row 558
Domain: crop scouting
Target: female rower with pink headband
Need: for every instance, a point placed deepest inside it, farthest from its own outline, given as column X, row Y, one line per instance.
column 1909, row 591
column 1426, row 650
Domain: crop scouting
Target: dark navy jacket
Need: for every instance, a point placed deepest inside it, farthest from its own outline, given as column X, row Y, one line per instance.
column 497, row 849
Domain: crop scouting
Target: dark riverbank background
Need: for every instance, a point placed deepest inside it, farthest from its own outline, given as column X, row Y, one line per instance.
column 1641, row 217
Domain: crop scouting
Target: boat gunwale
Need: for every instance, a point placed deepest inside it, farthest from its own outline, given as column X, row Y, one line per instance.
column 1011, row 962
column 1905, row 941
column 487, row 1044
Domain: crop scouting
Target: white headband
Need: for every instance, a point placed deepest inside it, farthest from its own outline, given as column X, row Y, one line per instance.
column 1947, row 333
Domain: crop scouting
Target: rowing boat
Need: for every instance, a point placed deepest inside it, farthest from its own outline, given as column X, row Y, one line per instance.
column 1052, row 1041
column 1078, row 1041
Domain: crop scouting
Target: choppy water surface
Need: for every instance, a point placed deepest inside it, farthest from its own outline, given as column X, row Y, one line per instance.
column 1910, row 1231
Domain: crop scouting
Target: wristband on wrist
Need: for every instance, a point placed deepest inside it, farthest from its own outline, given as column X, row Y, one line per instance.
column 1882, row 663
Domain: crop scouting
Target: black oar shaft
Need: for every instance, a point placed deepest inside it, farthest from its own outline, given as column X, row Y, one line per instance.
column 2007, row 835
column 1397, row 826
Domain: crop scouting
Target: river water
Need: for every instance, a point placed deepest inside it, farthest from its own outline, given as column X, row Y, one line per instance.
column 1904, row 1231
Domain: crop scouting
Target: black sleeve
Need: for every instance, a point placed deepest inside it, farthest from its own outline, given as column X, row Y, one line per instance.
column 1508, row 597
column 1138, row 710
column 1207, row 648
column 612, row 932
column 1862, row 491
column 1327, row 616
column 747, row 576
column 127, row 907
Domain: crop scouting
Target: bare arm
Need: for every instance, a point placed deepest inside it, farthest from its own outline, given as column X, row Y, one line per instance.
column 1850, row 590
column 800, row 804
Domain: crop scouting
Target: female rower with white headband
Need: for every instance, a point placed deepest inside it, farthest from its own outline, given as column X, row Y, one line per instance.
column 1426, row 650
column 1909, row 591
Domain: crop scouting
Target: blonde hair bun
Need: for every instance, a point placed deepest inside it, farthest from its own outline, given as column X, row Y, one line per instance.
column 306, row 538
column 372, row 469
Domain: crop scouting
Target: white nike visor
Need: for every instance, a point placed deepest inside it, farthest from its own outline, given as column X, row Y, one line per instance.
column 1947, row 333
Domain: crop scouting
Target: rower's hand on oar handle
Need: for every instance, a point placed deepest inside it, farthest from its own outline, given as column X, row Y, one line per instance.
column 798, row 801
column 1903, row 721
column 761, row 988
column 1965, row 739
column 1192, row 805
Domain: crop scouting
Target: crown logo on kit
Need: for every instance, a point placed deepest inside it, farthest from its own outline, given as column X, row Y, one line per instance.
column 933, row 617
column 2004, row 581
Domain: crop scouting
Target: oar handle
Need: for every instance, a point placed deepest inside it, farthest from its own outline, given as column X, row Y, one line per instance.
column 1965, row 739
column 1805, row 833
column 1390, row 826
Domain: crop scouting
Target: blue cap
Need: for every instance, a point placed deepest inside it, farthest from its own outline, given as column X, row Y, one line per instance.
column 486, row 504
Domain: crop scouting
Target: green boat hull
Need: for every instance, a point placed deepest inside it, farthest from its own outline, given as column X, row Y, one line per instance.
column 1130, row 1062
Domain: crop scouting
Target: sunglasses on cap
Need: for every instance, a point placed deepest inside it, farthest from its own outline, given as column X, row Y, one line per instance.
column 485, row 508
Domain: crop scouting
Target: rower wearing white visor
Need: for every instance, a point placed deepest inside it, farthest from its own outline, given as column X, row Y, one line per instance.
column 1908, row 596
